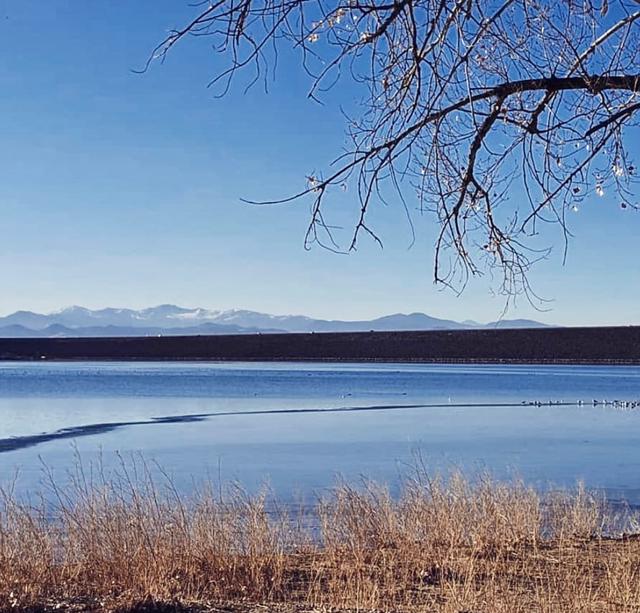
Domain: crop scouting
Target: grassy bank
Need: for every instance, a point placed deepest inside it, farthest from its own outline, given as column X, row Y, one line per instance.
column 120, row 541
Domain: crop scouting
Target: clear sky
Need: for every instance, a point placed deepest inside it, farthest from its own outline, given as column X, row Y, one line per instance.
column 121, row 189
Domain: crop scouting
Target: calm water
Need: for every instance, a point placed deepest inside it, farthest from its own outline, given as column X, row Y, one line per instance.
column 270, row 422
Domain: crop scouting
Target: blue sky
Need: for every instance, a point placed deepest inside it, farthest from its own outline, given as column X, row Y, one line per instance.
column 120, row 189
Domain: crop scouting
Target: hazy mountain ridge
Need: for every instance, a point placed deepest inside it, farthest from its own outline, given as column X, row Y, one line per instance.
column 170, row 320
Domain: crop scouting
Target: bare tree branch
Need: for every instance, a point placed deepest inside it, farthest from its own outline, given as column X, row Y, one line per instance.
column 499, row 117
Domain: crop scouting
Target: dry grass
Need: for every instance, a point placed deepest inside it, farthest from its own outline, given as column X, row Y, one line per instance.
column 123, row 542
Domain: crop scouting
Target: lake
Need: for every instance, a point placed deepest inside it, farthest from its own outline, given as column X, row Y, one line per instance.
column 299, row 426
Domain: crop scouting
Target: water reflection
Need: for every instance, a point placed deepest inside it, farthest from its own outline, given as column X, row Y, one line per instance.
column 303, row 424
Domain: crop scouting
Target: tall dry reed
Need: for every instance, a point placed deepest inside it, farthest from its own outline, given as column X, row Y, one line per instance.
column 111, row 541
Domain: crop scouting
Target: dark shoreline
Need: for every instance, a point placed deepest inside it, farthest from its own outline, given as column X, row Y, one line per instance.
column 602, row 345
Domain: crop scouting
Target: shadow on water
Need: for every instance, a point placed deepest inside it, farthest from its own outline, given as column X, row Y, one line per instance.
column 20, row 442
column 14, row 443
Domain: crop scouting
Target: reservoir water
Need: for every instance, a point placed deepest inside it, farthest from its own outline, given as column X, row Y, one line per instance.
column 298, row 427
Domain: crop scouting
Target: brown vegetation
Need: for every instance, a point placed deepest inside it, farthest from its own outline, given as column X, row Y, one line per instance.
column 126, row 542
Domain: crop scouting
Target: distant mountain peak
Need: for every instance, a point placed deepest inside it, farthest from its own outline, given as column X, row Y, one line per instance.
column 166, row 308
column 516, row 323
column 72, row 309
column 173, row 319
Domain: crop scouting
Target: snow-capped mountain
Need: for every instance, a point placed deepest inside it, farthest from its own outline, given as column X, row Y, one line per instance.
column 80, row 317
column 168, row 319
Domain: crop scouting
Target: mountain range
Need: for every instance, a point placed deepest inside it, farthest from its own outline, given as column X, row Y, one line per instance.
column 171, row 320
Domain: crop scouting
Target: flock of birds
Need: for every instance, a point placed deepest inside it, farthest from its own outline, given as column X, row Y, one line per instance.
column 616, row 404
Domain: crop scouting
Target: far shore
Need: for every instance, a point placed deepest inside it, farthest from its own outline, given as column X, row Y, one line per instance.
column 572, row 346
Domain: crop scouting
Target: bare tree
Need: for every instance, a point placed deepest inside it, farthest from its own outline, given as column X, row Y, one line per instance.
column 498, row 116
